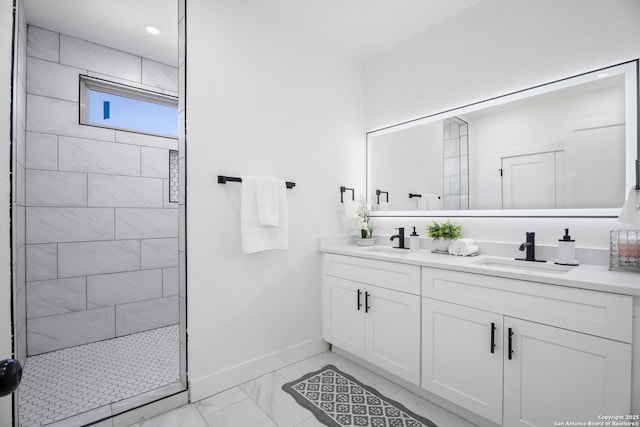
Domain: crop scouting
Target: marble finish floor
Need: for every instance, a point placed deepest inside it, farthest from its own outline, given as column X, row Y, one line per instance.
column 262, row 402
column 81, row 384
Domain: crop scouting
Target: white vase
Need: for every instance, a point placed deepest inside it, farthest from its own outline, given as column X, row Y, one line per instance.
column 442, row 244
column 365, row 242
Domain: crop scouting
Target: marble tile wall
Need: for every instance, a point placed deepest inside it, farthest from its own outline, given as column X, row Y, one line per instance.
column 455, row 164
column 100, row 237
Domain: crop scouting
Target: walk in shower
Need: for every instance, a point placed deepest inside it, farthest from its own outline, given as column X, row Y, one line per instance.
column 98, row 248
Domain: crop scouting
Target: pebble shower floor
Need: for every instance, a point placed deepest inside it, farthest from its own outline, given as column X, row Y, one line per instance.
column 67, row 382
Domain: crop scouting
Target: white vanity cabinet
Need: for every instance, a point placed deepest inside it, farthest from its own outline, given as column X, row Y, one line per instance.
column 558, row 353
column 371, row 309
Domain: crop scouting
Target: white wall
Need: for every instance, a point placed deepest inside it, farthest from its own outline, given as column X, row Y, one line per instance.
column 6, row 17
column 261, row 100
column 505, row 46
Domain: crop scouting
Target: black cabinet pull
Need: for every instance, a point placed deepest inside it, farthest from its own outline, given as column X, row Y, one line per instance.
column 366, row 302
column 359, row 303
column 493, row 337
column 510, row 343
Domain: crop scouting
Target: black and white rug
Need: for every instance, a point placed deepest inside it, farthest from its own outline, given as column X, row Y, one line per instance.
column 337, row 399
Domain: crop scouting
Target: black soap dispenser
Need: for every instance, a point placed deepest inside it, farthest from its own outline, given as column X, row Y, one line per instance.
column 414, row 240
column 566, row 250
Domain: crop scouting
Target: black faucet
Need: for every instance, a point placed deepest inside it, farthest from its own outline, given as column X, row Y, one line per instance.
column 530, row 246
column 400, row 236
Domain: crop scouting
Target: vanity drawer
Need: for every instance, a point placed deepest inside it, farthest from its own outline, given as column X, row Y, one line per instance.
column 390, row 275
column 592, row 312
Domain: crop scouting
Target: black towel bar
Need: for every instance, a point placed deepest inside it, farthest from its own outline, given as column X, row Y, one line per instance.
column 412, row 195
column 379, row 192
column 224, row 179
column 342, row 191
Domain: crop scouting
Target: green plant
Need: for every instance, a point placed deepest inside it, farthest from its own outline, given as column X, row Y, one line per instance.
column 447, row 230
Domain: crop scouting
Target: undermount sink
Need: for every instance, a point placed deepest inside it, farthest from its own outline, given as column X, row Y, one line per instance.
column 387, row 249
column 527, row 266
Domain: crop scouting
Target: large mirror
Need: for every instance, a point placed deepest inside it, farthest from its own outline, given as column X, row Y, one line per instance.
column 567, row 148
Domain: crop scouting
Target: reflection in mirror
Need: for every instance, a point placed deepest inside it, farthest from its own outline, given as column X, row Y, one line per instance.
column 566, row 145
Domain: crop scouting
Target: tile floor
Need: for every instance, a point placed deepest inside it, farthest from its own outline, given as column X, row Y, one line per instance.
column 262, row 403
column 98, row 377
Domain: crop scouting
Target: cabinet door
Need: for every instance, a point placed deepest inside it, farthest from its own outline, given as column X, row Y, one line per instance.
column 343, row 314
column 393, row 332
column 558, row 375
column 457, row 359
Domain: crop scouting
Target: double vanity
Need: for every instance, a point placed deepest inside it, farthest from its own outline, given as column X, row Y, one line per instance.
column 513, row 342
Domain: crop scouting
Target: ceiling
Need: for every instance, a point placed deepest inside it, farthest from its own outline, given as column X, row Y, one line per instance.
column 359, row 28
column 362, row 28
column 119, row 24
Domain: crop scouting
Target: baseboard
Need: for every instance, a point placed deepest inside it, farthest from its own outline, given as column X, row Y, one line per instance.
column 246, row 371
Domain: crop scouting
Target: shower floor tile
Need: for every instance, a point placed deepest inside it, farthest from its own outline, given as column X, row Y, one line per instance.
column 64, row 383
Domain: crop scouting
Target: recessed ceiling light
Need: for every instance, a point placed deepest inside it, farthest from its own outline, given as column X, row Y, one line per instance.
column 152, row 30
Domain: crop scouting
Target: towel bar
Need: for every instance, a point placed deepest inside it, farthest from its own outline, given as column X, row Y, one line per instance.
column 412, row 195
column 343, row 189
column 224, row 179
column 379, row 192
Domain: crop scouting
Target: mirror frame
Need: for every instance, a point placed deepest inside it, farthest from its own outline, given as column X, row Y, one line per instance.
column 630, row 69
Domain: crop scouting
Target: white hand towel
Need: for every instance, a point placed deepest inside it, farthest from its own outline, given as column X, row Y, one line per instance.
column 383, row 206
column 348, row 213
column 268, row 196
column 433, row 201
column 255, row 236
column 630, row 213
column 422, row 203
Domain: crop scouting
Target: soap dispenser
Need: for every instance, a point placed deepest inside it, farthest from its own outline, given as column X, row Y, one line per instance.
column 414, row 240
column 566, row 250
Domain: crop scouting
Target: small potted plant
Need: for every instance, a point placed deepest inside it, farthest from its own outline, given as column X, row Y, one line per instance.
column 364, row 224
column 443, row 233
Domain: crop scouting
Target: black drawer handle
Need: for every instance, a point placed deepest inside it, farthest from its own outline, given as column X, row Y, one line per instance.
column 510, row 343
column 359, row 303
column 366, row 302
column 493, row 337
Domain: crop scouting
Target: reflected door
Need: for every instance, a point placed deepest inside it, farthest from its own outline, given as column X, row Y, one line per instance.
column 529, row 181
column 595, row 149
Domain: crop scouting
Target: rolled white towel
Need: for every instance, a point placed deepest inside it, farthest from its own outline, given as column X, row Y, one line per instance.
column 458, row 244
column 466, row 242
column 469, row 250
column 463, row 250
column 461, row 247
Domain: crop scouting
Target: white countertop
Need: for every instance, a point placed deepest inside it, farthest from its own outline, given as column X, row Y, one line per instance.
column 584, row 276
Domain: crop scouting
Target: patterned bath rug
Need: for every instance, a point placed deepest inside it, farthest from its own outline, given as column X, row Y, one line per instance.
column 337, row 399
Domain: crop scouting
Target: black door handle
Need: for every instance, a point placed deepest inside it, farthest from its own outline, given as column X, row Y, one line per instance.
column 510, row 343
column 493, row 337
column 359, row 303
column 10, row 376
column 366, row 302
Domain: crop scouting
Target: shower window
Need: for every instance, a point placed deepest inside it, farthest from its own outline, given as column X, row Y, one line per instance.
column 116, row 106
